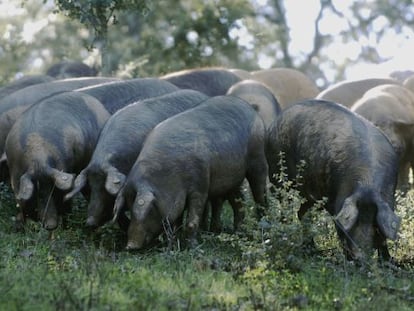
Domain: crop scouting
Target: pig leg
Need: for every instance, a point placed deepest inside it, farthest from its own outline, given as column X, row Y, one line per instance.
column 403, row 177
column 216, row 208
column 235, row 200
column 196, row 203
column 205, row 222
column 383, row 253
column 257, row 183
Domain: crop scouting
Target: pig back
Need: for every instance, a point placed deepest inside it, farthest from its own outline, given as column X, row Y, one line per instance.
column 23, row 82
column 219, row 136
column 125, row 131
column 12, row 106
column 210, row 81
column 119, row 94
column 67, row 125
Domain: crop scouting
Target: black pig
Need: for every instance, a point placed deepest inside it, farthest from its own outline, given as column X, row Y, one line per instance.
column 50, row 142
column 348, row 161
column 12, row 106
column 200, row 154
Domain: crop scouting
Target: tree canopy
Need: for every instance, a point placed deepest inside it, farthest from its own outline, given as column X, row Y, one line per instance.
column 147, row 38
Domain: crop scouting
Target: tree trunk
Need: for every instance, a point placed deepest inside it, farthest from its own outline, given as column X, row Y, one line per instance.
column 101, row 32
column 105, row 57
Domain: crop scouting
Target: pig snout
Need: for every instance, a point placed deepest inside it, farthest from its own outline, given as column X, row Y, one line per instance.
column 91, row 222
column 97, row 218
column 137, row 236
column 360, row 243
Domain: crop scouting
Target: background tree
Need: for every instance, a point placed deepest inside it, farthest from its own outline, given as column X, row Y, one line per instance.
column 147, row 37
column 186, row 33
column 98, row 15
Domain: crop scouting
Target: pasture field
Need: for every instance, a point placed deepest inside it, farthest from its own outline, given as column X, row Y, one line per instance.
column 262, row 267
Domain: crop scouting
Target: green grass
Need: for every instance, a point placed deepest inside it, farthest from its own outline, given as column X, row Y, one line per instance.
column 262, row 267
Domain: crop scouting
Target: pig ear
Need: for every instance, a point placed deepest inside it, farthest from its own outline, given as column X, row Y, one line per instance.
column 114, row 181
column 79, row 183
column 25, row 188
column 387, row 221
column 348, row 215
column 63, row 181
column 119, row 203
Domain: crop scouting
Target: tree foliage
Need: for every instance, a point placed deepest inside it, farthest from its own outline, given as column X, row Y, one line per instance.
column 186, row 32
column 97, row 15
column 148, row 37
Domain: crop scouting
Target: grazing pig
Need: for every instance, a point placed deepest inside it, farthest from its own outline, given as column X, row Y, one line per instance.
column 119, row 145
column 23, row 82
column 118, row 94
column 50, row 142
column 12, row 106
column 391, row 108
column 348, row 92
column 198, row 155
column 287, row 85
column 348, row 161
column 210, row 81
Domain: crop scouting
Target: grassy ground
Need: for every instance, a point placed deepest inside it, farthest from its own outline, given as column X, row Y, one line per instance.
column 263, row 267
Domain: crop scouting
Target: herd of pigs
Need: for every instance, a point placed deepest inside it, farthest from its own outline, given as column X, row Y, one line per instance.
column 168, row 151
